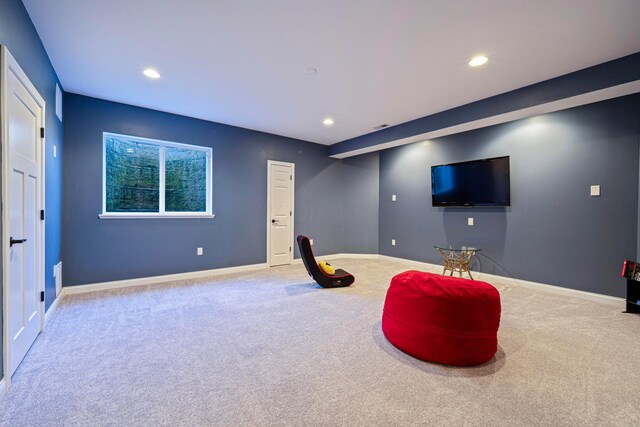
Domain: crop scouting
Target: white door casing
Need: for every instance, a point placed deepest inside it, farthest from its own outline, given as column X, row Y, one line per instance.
column 23, row 116
column 280, row 214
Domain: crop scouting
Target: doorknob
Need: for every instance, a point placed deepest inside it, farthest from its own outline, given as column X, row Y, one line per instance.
column 273, row 221
column 13, row 241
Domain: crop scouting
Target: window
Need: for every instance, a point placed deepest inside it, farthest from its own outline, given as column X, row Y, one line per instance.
column 146, row 178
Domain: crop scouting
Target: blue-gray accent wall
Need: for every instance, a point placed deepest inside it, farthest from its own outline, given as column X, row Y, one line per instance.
column 553, row 232
column 360, row 179
column 601, row 76
column 19, row 35
column 336, row 201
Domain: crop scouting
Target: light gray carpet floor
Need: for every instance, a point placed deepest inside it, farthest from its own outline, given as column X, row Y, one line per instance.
column 270, row 348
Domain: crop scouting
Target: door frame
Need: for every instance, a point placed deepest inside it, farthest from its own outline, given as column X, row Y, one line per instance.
column 8, row 62
column 293, row 208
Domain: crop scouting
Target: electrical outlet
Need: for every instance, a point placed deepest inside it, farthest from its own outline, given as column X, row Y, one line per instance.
column 469, row 221
column 595, row 190
column 393, row 197
column 311, row 241
column 199, row 251
column 393, row 242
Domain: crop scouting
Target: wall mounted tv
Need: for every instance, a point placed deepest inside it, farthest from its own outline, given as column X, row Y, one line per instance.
column 476, row 183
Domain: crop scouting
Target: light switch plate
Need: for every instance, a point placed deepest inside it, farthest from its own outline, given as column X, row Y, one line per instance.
column 469, row 221
column 311, row 241
column 393, row 242
column 595, row 190
column 199, row 251
column 393, row 197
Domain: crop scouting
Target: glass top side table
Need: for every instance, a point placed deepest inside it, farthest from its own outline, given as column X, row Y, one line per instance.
column 456, row 260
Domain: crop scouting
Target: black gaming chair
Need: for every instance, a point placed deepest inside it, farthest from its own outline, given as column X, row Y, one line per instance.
column 339, row 280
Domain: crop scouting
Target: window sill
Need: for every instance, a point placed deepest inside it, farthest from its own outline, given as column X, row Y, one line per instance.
column 153, row 216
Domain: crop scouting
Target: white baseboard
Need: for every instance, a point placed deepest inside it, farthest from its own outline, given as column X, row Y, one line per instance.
column 606, row 299
column 434, row 268
column 591, row 296
column 80, row 289
column 336, row 256
column 49, row 313
column 116, row 284
column 355, row 256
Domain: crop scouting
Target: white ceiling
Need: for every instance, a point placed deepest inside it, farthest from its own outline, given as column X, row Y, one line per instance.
column 244, row 62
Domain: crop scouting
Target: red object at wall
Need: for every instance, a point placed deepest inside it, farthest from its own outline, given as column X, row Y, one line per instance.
column 442, row 319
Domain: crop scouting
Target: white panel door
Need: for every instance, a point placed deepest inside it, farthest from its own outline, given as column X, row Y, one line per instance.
column 280, row 213
column 24, row 118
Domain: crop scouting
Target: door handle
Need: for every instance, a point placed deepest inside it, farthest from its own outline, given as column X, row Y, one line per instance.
column 13, row 241
column 273, row 221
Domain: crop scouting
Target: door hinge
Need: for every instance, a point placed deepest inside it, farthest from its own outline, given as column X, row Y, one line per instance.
column 41, row 132
column 290, row 213
column 290, row 177
column 289, row 248
column 42, row 296
column 42, row 215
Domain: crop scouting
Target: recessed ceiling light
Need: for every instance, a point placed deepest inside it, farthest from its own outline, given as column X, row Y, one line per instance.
column 312, row 70
column 328, row 121
column 151, row 73
column 478, row 61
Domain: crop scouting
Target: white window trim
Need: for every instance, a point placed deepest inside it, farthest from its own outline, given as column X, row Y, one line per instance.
column 161, row 214
column 150, row 215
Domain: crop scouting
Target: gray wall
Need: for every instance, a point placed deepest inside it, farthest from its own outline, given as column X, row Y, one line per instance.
column 360, row 208
column 553, row 232
column 330, row 198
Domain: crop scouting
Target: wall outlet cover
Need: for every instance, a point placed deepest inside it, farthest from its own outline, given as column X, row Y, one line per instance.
column 469, row 221
column 200, row 252
column 393, row 197
column 311, row 241
column 595, row 190
column 393, row 242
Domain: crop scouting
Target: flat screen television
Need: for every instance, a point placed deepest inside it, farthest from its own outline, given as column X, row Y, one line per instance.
column 475, row 183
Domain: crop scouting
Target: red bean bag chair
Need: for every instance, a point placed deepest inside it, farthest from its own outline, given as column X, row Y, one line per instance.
column 441, row 319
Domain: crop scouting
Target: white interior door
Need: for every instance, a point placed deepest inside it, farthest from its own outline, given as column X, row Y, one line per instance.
column 22, row 121
column 280, row 216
